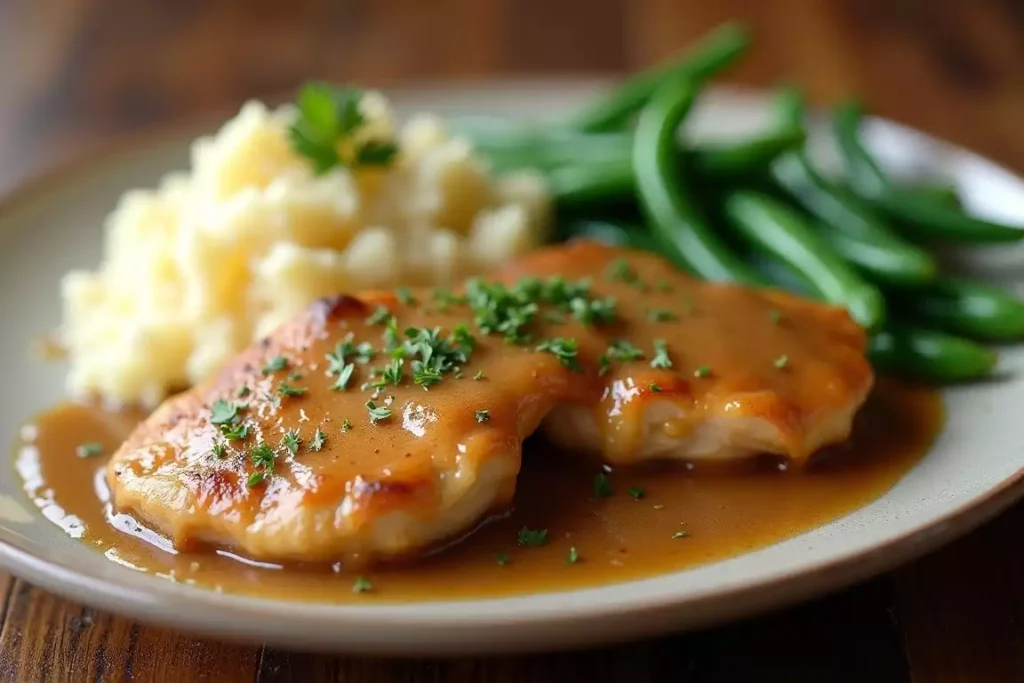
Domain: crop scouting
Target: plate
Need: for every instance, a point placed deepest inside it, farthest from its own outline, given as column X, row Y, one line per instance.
column 975, row 469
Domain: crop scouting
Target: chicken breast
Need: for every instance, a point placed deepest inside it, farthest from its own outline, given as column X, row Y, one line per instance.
column 741, row 371
column 380, row 427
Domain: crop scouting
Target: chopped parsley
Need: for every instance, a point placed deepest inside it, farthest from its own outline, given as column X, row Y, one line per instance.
column 782, row 361
column 661, row 358
column 262, row 456
column 318, row 440
column 275, row 364
column 255, row 479
column 531, row 538
column 660, row 315
column 393, row 372
column 602, row 486
column 219, row 450
column 295, row 376
column 636, row 492
column 622, row 350
column 656, row 388
column 404, row 296
column 344, row 377
column 380, row 315
column 593, row 311
column 89, row 449
column 377, row 414
column 566, row 350
column 223, row 412
column 235, row 432
column 291, row 441
column 326, row 127
column 620, row 269
column 573, row 557
column 702, row 371
column 362, row 585
column 426, row 377
column 346, row 425
column 287, row 389
column 483, row 415
column 501, row 559
column 242, row 391
column 479, row 375
column 682, row 533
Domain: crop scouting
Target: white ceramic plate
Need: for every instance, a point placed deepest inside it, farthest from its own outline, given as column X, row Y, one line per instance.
column 975, row 469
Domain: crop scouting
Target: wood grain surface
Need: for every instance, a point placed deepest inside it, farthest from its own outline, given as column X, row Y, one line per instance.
column 81, row 74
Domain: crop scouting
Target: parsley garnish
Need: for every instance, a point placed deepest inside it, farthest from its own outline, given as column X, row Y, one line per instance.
column 380, row 315
column 318, row 440
column 242, row 391
column 344, row 376
column 483, row 415
column 393, row 372
column 362, row 585
column 286, row 389
column 531, row 538
column 235, row 432
column 219, row 450
column 593, row 311
column 782, row 361
column 275, row 364
column 223, row 412
column 573, row 557
column 89, row 449
column 255, row 479
column 620, row 269
column 291, row 440
column 621, row 349
column 656, row 388
column 660, row 315
column 661, row 359
column 501, row 559
column 479, row 375
column 377, row 413
column 564, row 349
column 602, row 487
column 636, row 492
column 404, row 296
column 680, row 534
column 263, row 456
column 702, row 371
column 327, row 118
column 346, row 425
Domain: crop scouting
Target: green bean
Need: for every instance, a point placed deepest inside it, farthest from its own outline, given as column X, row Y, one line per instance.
column 674, row 219
column 851, row 227
column 944, row 194
column 964, row 306
column 929, row 355
column 781, row 231
column 587, row 182
column 919, row 215
column 701, row 61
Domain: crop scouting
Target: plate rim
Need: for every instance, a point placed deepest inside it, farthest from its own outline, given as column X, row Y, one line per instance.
column 215, row 613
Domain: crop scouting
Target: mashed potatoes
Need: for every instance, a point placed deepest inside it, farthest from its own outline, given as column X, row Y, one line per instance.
column 215, row 258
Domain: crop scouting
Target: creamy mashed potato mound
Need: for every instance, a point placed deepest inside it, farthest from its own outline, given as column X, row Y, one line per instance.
column 215, row 258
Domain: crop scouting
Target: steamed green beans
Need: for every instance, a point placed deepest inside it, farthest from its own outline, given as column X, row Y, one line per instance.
column 929, row 355
column 964, row 306
column 715, row 52
column 675, row 220
column 917, row 213
column 777, row 229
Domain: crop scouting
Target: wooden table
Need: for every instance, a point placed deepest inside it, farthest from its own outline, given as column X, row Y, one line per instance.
column 77, row 74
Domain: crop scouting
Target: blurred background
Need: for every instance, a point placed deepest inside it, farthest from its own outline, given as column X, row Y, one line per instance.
column 81, row 74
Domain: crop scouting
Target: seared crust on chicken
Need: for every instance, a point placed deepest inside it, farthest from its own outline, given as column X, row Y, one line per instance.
column 379, row 427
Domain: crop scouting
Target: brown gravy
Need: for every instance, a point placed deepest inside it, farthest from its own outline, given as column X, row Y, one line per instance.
column 617, row 537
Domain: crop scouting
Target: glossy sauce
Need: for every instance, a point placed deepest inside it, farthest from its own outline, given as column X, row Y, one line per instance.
column 617, row 537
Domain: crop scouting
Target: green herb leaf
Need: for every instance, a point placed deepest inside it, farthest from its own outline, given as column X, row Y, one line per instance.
column 660, row 315
column 235, row 432
column 286, row 389
column 602, row 486
column 404, row 296
column 362, row 585
column 656, row 388
column 346, row 425
column 573, row 557
column 622, row 350
column 275, row 364
column 219, row 450
column 291, row 441
column 242, row 391
column 501, row 559
column 702, row 371
column 223, row 412
column 680, row 534
column 380, row 315
column 636, row 492
column 344, row 377
column 377, row 414
column 479, row 375
column 531, row 538
column 318, row 440
column 89, row 449
column 483, row 415
column 661, row 358
column 263, row 456
column 620, row 269
column 782, row 362
column 566, row 350
column 375, row 153
column 255, row 479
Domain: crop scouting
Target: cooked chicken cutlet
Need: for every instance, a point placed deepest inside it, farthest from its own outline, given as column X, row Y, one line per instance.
column 706, row 371
column 381, row 426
